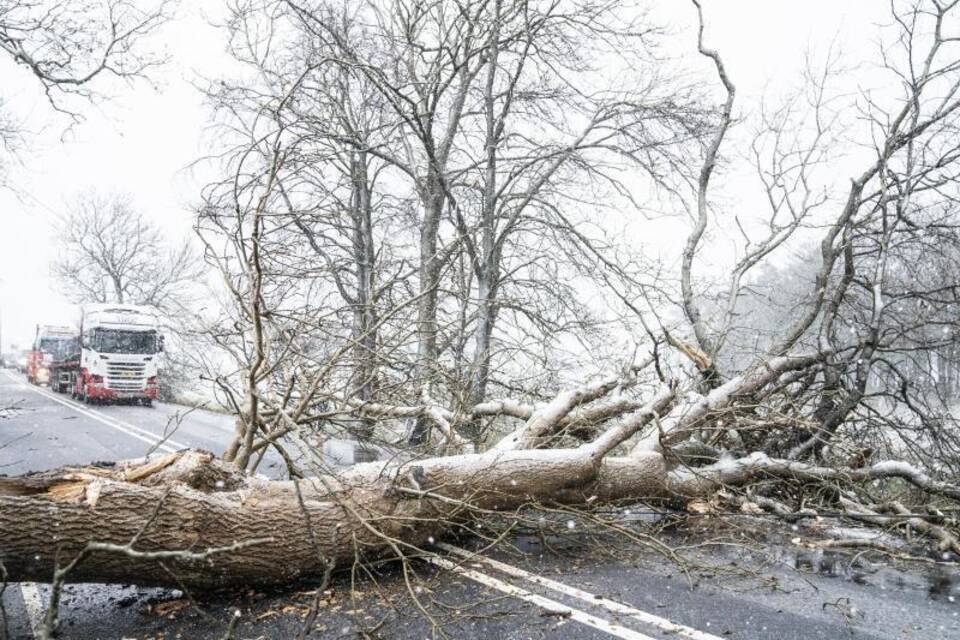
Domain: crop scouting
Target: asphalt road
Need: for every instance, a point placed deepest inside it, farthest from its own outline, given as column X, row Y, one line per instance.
column 47, row 429
column 737, row 587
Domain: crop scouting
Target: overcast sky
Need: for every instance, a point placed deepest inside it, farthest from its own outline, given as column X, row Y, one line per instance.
column 143, row 140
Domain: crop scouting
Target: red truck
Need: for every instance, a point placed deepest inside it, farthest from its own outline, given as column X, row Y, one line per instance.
column 55, row 351
column 114, row 356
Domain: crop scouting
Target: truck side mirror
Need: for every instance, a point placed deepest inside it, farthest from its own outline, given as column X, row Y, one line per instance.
column 160, row 344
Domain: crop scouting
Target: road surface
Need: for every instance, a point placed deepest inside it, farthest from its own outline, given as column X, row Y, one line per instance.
column 518, row 590
column 47, row 429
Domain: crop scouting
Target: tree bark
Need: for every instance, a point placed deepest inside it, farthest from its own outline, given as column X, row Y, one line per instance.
column 364, row 311
column 191, row 502
column 191, row 520
column 275, row 532
column 427, row 352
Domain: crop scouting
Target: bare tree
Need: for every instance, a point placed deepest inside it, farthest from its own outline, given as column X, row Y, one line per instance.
column 384, row 208
column 109, row 252
column 72, row 49
column 68, row 46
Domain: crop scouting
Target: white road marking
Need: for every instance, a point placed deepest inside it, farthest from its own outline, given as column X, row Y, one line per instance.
column 550, row 605
column 34, row 605
column 102, row 416
column 169, row 446
column 123, row 423
column 610, row 605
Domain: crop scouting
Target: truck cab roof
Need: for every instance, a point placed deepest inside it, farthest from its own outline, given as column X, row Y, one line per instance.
column 119, row 316
column 55, row 331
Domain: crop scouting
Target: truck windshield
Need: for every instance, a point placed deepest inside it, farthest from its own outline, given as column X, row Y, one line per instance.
column 58, row 348
column 116, row 341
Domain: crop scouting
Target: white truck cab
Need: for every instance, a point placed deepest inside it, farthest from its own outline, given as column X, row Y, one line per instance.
column 120, row 346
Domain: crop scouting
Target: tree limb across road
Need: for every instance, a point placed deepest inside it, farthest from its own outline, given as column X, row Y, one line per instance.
column 191, row 519
column 206, row 503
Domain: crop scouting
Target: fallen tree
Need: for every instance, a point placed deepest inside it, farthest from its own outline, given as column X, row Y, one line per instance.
column 191, row 520
column 275, row 532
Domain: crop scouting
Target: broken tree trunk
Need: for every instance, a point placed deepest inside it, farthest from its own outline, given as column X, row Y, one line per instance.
column 191, row 520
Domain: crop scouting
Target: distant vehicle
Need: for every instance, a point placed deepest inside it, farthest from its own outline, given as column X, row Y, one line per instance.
column 20, row 364
column 117, row 360
column 52, row 345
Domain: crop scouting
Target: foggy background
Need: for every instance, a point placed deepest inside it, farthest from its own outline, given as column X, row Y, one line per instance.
column 147, row 140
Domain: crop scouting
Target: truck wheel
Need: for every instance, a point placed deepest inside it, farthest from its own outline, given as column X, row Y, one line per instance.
column 147, row 402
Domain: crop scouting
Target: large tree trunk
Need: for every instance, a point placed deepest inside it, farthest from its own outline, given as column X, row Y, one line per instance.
column 274, row 532
column 190, row 501
column 189, row 519
column 364, row 309
column 427, row 352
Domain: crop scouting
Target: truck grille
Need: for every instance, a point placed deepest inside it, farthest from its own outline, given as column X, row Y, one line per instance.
column 126, row 376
